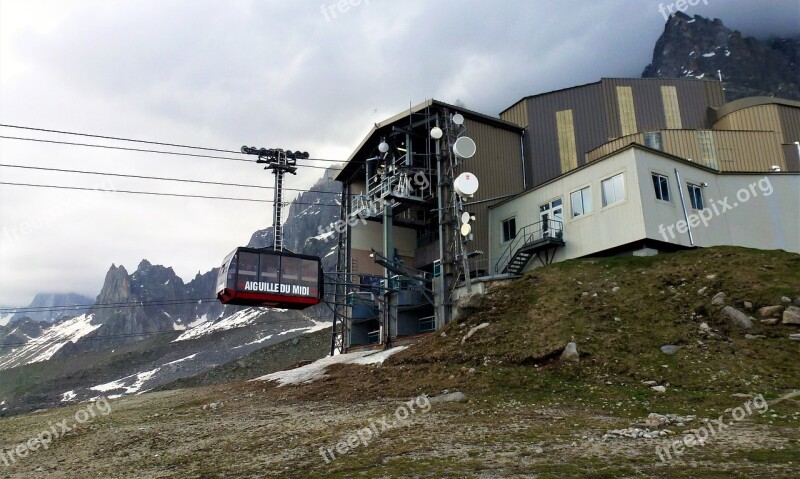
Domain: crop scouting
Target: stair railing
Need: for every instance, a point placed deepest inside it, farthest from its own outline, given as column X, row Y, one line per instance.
column 527, row 235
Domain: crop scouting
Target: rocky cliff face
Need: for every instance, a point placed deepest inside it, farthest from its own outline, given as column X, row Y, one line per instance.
column 700, row 48
column 310, row 215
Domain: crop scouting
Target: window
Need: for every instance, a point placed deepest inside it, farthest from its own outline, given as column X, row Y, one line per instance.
column 309, row 275
column 695, row 196
column 652, row 139
column 613, row 189
column 248, row 268
column 509, row 229
column 270, row 266
column 290, row 269
column 581, row 201
column 661, row 186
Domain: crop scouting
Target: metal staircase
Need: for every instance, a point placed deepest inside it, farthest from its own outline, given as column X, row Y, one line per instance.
column 518, row 262
column 530, row 242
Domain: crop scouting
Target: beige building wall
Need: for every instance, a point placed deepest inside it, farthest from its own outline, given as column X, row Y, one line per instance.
column 600, row 229
column 764, row 215
column 731, row 151
column 751, row 210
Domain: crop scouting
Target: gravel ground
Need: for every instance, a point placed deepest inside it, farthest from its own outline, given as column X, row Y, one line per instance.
column 257, row 430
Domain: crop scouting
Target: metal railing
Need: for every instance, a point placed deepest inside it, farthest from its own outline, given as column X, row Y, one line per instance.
column 528, row 235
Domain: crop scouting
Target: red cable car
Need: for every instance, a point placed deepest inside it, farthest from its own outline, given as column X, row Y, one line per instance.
column 265, row 277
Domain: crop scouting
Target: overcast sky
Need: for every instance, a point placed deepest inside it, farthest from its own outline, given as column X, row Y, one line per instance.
column 299, row 74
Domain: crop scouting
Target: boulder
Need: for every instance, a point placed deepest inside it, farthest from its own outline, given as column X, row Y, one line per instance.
column 719, row 299
column 670, row 349
column 659, row 389
column 786, row 300
column 771, row 321
column 570, row 352
column 748, row 305
column 449, row 397
column 795, row 337
column 737, row 317
column 791, row 315
column 770, row 311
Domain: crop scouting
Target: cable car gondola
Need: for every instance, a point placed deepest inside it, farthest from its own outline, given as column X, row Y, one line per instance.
column 266, row 277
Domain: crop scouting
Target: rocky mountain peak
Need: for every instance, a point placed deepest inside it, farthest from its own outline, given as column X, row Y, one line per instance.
column 698, row 47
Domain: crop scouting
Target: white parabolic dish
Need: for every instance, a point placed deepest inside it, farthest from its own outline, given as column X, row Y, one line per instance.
column 466, row 184
column 464, row 147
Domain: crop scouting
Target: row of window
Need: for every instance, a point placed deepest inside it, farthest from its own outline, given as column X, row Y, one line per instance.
column 661, row 188
column 270, row 268
column 613, row 191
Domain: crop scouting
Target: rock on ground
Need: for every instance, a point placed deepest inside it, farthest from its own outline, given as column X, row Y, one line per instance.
column 791, row 315
column 737, row 317
column 570, row 352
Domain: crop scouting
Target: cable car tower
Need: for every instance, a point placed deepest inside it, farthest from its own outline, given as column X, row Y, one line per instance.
column 280, row 162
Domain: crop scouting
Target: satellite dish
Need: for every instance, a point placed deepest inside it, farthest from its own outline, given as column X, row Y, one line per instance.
column 466, row 184
column 436, row 133
column 383, row 147
column 465, row 217
column 464, row 147
column 466, row 229
column 458, row 119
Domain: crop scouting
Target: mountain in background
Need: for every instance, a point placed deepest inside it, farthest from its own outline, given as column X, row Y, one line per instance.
column 314, row 209
column 699, row 48
column 51, row 300
column 148, row 328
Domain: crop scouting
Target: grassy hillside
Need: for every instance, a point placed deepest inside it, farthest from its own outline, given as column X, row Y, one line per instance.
column 529, row 413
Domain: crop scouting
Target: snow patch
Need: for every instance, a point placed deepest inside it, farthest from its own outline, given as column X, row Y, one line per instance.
column 316, row 370
column 239, row 319
column 131, row 384
column 709, row 55
column 68, row 396
column 325, row 235
column 50, row 341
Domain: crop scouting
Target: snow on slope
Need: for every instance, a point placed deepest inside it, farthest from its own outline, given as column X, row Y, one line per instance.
column 51, row 340
column 237, row 320
column 133, row 384
column 316, row 370
column 318, row 326
column 5, row 318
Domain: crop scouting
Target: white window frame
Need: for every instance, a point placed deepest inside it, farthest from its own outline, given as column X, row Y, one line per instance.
column 605, row 201
column 586, row 196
